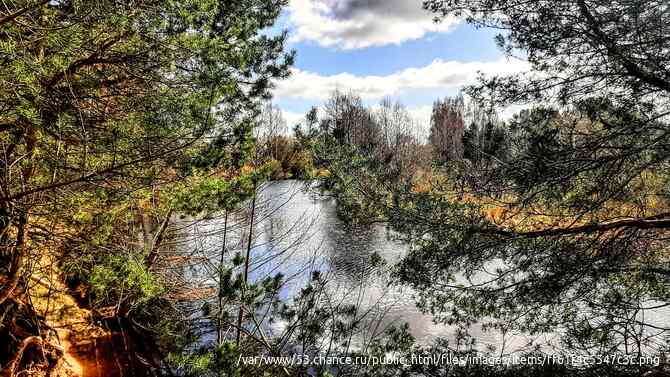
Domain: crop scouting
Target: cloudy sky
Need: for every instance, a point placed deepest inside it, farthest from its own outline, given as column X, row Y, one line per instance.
column 381, row 48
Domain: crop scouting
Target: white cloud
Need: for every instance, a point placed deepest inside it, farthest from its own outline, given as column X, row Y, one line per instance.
column 508, row 112
column 439, row 74
column 353, row 24
column 292, row 118
column 421, row 116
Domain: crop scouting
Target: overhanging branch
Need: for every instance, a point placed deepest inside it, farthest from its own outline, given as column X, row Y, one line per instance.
column 661, row 221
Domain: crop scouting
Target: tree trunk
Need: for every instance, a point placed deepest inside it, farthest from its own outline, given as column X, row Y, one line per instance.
column 246, row 263
column 145, row 223
column 16, row 262
column 219, row 333
column 157, row 240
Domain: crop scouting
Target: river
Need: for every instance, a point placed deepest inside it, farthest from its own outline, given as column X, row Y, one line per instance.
column 296, row 231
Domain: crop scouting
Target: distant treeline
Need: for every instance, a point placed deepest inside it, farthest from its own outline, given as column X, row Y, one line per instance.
column 386, row 132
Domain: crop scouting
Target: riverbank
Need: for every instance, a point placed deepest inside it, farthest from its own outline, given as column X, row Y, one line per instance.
column 60, row 336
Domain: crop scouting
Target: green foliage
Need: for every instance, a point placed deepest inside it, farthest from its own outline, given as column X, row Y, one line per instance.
column 562, row 226
column 123, row 278
column 116, row 114
column 190, row 364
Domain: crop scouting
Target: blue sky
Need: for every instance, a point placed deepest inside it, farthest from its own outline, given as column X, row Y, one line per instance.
column 381, row 48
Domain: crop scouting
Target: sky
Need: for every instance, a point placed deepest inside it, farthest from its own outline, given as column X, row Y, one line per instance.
column 378, row 49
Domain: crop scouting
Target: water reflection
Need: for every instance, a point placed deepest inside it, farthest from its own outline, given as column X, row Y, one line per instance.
column 296, row 231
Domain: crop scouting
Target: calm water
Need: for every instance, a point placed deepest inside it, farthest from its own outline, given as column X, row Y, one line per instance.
column 296, row 231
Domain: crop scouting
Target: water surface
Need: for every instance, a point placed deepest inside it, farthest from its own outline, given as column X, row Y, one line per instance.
column 296, row 232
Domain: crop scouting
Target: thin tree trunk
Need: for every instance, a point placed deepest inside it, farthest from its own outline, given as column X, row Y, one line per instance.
column 246, row 263
column 18, row 252
column 219, row 334
column 157, row 240
column 16, row 262
column 145, row 223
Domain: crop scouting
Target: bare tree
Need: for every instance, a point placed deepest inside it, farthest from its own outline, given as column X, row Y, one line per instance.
column 350, row 121
column 447, row 128
column 400, row 145
column 270, row 126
